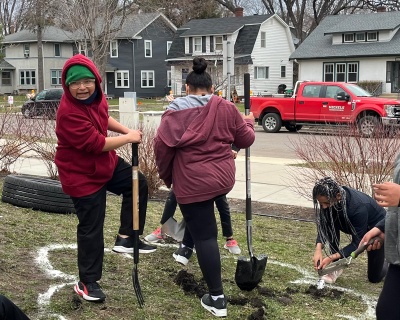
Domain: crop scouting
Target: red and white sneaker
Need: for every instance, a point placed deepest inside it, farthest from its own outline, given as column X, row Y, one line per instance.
column 155, row 236
column 90, row 291
column 232, row 246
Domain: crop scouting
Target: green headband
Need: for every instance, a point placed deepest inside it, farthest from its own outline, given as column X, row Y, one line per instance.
column 78, row 72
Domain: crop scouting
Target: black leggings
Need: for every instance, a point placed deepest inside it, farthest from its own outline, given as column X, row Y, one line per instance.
column 201, row 231
column 8, row 310
column 388, row 307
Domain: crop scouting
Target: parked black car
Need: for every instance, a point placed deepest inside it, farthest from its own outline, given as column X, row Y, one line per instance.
column 45, row 104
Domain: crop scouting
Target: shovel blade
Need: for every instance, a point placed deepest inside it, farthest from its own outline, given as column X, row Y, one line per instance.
column 174, row 229
column 249, row 272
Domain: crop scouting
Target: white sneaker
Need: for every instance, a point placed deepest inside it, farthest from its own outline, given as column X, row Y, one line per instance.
column 331, row 277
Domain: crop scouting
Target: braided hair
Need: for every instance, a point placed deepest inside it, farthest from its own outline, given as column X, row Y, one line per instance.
column 329, row 188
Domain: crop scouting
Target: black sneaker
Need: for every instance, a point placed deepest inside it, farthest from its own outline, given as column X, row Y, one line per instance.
column 183, row 254
column 90, row 291
column 217, row 307
column 125, row 245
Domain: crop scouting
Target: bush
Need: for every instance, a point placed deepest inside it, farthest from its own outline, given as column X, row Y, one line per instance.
column 373, row 86
column 345, row 156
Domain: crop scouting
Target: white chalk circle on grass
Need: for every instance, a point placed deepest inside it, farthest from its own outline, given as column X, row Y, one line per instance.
column 45, row 265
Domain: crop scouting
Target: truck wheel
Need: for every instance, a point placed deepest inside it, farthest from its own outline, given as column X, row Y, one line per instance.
column 368, row 125
column 293, row 128
column 272, row 122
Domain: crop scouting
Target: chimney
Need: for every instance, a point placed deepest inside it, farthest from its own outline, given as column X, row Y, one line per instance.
column 381, row 8
column 238, row 12
column 12, row 29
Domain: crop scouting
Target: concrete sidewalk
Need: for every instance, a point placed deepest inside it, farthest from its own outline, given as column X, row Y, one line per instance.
column 270, row 179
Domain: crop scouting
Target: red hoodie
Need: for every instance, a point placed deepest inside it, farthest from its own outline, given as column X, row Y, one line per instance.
column 81, row 131
column 193, row 149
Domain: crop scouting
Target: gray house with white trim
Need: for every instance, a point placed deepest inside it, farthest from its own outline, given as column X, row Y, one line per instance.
column 352, row 48
column 258, row 44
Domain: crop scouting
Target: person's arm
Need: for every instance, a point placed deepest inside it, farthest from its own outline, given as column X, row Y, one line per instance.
column 244, row 131
column 164, row 160
column 127, row 135
column 374, row 232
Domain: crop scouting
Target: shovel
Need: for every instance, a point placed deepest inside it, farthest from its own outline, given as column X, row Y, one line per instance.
column 174, row 229
column 249, row 272
column 135, row 200
column 342, row 263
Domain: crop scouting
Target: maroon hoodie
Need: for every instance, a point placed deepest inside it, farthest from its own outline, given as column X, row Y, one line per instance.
column 193, row 149
column 81, row 131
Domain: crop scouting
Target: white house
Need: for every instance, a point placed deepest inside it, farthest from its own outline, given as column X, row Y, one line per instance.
column 352, row 48
column 260, row 45
column 19, row 68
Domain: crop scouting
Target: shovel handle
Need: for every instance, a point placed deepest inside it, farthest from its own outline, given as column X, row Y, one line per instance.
column 135, row 186
column 361, row 249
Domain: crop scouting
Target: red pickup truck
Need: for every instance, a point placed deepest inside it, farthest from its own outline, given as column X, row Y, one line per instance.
column 326, row 103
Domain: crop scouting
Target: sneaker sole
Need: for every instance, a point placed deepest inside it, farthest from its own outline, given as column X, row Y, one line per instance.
column 216, row 312
column 231, row 250
column 85, row 296
column 180, row 259
column 121, row 249
column 154, row 241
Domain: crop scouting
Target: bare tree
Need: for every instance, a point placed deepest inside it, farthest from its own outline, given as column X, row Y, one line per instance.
column 96, row 23
column 11, row 15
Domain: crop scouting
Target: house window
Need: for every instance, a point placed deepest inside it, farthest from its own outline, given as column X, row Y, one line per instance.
column 6, row 78
column 57, row 50
column 263, row 39
column 328, row 72
column 169, row 43
column 349, row 37
column 55, row 76
column 352, row 72
column 341, row 72
column 197, row 44
column 27, row 77
column 169, row 79
column 389, row 71
column 218, row 43
column 148, row 50
column 147, row 79
column 372, row 36
column 83, row 48
column 121, row 79
column 261, row 72
column 283, row 71
column 360, row 37
column 113, row 49
column 26, row 50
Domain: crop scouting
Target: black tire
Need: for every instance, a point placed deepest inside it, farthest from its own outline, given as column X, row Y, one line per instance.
column 368, row 126
column 293, row 128
column 37, row 193
column 272, row 122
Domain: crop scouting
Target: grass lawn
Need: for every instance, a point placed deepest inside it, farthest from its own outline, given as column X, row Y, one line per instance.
column 44, row 288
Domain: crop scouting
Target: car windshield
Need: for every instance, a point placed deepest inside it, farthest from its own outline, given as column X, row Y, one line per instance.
column 357, row 91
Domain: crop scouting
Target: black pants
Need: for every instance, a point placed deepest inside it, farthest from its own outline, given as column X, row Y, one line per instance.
column 377, row 265
column 222, row 205
column 388, row 307
column 9, row 311
column 91, row 211
column 201, row 231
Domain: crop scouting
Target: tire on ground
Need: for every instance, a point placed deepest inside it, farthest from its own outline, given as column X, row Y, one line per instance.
column 368, row 125
column 293, row 128
column 272, row 122
column 35, row 192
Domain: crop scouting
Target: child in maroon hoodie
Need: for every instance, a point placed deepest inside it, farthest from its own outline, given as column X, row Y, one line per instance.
column 193, row 152
column 88, row 167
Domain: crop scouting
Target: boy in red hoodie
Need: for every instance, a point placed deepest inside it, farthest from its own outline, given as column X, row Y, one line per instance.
column 88, row 167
